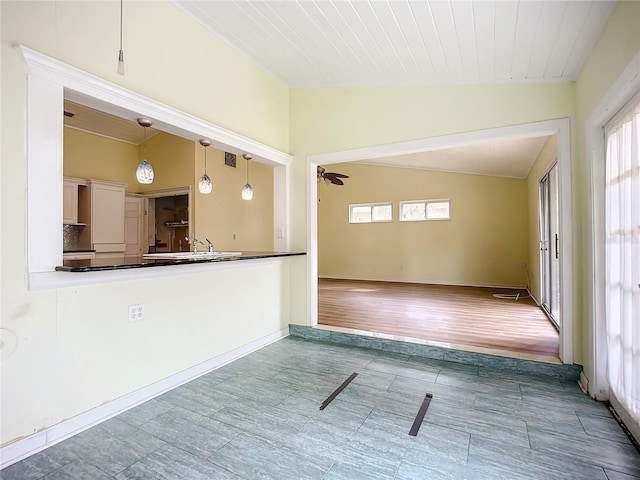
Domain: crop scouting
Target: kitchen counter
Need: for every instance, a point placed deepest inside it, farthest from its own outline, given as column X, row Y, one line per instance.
column 134, row 261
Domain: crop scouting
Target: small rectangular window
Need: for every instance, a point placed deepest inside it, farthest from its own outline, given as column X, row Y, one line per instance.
column 421, row 210
column 370, row 212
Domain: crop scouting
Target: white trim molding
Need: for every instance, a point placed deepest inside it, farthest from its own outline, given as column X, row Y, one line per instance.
column 25, row 447
column 559, row 127
column 49, row 83
column 622, row 90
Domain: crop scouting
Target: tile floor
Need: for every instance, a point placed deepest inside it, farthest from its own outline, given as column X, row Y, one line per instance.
column 259, row 418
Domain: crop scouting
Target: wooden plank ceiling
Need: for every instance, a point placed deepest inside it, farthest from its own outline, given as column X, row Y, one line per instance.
column 404, row 42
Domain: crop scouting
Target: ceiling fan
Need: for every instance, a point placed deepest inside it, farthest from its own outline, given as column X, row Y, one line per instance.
column 330, row 177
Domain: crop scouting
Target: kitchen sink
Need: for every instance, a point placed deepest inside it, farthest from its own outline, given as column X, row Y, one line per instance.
column 190, row 255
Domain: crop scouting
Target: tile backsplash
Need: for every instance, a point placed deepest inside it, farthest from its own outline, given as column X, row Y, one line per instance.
column 70, row 237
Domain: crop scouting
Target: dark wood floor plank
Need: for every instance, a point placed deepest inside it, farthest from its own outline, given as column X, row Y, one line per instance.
column 443, row 313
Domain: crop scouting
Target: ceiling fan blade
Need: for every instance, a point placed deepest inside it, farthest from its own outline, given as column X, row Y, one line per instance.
column 338, row 175
column 336, row 181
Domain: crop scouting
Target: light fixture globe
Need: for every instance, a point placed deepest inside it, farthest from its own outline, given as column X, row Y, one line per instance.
column 204, row 185
column 247, row 192
column 144, row 173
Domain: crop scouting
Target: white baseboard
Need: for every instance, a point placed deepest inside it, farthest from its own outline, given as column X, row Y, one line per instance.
column 533, row 297
column 632, row 425
column 394, row 280
column 583, row 383
column 27, row 446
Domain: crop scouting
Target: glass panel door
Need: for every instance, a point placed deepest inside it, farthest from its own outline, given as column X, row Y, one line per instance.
column 550, row 245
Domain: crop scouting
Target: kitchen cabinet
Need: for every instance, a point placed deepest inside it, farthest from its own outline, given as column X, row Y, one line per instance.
column 71, row 190
column 106, row 206
column 79, row 256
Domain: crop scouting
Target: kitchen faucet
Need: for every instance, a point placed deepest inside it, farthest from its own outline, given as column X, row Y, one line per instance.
column 195, row 242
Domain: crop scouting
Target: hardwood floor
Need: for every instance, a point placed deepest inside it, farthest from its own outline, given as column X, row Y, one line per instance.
column 459, row 315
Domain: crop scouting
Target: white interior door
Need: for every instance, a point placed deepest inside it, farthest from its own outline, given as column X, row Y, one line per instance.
column 134, row 225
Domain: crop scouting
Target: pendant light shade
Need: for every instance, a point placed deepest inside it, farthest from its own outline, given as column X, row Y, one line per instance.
column 247, row 190
column 144, row 172
column 204, row 185
column 120, row 69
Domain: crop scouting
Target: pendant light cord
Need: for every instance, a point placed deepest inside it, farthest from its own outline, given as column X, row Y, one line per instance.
column 205, row 160
column 121, row 24
column 247, row 171
column 144, row 144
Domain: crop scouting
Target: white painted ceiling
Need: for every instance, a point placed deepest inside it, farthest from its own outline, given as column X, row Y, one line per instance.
column 502, row 158
column 329, row 43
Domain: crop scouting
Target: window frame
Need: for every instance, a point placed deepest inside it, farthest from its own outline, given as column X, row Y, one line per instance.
column 426, row 203
column 371, row 205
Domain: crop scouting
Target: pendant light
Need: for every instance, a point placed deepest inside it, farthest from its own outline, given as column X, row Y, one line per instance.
column 120, row 69
column 247, row 190
column 204, row 185
column 144, row 172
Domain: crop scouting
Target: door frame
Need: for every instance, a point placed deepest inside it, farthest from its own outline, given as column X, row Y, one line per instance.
column 560, row 127
column 594, row 376
column 169, row 192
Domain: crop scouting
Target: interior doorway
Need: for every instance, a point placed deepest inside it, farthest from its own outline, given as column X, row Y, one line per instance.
column 560, row 128
column 169, row 220
column 549, row 216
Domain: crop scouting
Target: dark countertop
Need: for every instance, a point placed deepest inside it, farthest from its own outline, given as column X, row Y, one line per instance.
column 134, row 261
column 78, row 251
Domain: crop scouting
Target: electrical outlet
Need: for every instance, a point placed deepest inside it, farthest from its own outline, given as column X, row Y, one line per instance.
column 136, row 312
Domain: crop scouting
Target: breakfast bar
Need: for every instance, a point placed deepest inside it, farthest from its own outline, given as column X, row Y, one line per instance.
column 124, row 262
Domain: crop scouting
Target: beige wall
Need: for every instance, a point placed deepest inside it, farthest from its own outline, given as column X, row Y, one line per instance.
column 619, row 42
column 547, row 156
column 484, row 243
column 68, row 350
column 87, row 155
column 172, row 159
column 93, row 156
column 233, row 224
